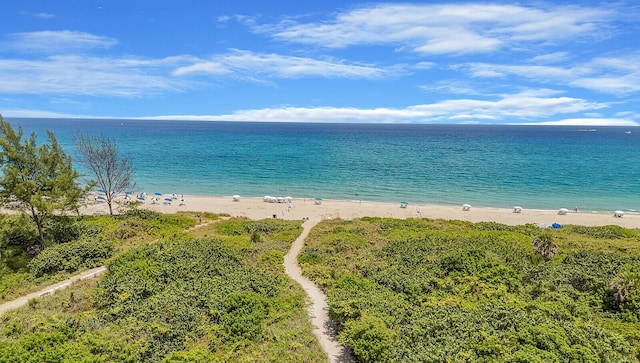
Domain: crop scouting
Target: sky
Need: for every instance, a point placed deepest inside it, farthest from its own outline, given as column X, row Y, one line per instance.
column 457, row 62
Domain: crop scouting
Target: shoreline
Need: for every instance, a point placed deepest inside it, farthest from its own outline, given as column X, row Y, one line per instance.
column 308, row 208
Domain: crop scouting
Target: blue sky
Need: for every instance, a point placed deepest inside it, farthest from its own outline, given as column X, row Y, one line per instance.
column 323, row 61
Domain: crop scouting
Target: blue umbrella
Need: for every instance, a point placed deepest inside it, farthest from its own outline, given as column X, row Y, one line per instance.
column 167, row 199
column 101, row 190
column 140, row 198
column 128, row 192
column 157, row 193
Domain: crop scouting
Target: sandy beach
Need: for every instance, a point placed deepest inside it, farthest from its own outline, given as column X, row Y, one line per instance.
column 299, row 208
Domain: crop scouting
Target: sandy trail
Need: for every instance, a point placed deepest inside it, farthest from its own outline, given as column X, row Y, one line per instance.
column 324, row 328
column 23, row 300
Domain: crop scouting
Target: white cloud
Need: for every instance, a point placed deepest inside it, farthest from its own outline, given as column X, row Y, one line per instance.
column 245, row 64
column 452, row 87
column 588, row 122
column 56, row 41
column 44, row 15
column 17, row 113
column 550, row 58
column 446, row 28
column 202, row 67
column 524, row 106
column 615, row 75
column 80, row 75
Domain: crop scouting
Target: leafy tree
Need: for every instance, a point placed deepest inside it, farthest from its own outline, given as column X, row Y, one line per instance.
column 113, row 172
column 38, row 179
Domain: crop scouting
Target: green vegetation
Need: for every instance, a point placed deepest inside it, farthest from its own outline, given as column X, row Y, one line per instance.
column 452, row 291
column 76, row 243
column 215, row 294
column 39, row 180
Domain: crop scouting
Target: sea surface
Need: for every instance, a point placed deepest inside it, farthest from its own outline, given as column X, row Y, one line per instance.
column 535, row 167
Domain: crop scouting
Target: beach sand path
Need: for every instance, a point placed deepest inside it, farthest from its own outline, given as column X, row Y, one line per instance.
column 324, row 329
column 23, row 300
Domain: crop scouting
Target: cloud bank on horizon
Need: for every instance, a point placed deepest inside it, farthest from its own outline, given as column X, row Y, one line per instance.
column 438, row 62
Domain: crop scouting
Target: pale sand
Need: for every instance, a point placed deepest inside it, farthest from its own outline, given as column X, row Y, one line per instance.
column 256, row 208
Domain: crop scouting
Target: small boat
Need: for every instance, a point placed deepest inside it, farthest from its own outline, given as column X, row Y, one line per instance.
column 628, row 132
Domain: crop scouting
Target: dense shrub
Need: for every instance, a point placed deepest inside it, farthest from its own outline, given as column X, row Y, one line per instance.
column 145, row 214
column 604, row 232
column 478, row 292
column 174, row 300
column 61, row 229
column 17, row 231
column 71, row 256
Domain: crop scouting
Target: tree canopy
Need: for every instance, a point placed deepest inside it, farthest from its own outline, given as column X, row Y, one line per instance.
column 38, row 179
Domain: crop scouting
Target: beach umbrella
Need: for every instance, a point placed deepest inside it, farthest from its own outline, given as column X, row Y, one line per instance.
column 157, row 193
column 167, row 199
column 127, row 192
column 403, row 202
column 141, row 199
column 101, row 190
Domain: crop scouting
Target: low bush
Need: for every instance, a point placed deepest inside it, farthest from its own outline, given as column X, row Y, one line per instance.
column 71, row 256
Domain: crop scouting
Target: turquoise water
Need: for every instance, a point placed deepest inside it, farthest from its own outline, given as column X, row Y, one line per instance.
column 539, row 167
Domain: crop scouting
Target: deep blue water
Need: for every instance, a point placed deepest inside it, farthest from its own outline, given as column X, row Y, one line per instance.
column 541, row 167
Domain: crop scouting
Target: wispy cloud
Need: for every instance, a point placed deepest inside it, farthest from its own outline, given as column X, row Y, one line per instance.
column 81, row 75
column 55, row 41
column 246, row 64
column 41, row 15
column 614, row 75
column 19, row 112
column 447, row 28
column 44, row 15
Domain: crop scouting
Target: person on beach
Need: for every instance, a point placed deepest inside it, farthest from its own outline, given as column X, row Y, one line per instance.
column 575, row 209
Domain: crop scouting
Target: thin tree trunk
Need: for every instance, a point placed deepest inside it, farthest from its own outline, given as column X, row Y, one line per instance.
column 38, row 222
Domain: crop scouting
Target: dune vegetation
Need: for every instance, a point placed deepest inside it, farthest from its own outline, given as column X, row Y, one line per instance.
column 451, row 291
column 172, row 293
column 200, row 287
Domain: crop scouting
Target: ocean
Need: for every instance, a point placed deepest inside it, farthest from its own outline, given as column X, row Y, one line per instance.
column 535, row 167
